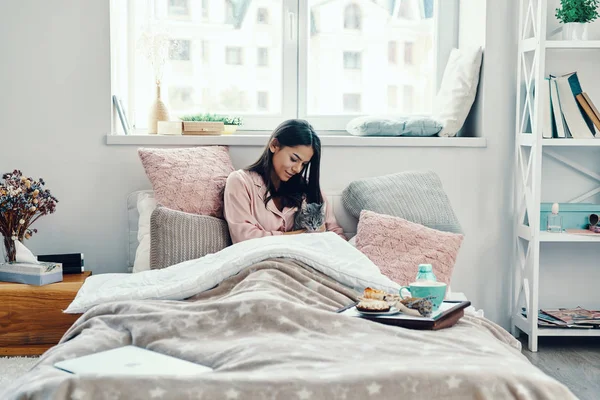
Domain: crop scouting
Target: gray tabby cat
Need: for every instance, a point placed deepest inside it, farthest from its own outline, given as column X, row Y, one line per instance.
column 311, row 216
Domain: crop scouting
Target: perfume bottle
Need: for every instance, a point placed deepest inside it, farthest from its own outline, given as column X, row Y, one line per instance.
column 555, row 222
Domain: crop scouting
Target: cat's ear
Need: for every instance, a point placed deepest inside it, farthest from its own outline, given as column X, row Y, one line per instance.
column 323, row 207
column 304, row 206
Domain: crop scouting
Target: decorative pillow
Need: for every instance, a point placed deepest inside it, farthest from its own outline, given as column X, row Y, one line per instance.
column 417, row 196
column 146, row 203
column 393, row 126
column 398, row 246
column 190, row 180
column 176, row 236
column 458, row 89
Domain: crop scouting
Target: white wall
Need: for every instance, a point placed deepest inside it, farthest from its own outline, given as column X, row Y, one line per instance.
column 55, row 112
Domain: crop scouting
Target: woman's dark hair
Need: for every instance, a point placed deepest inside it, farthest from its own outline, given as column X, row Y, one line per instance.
column 291, row 133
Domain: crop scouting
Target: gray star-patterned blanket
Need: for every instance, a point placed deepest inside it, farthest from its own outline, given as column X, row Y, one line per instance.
column 270, row 332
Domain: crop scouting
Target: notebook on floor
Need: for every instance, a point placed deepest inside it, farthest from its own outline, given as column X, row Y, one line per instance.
column 131, row 360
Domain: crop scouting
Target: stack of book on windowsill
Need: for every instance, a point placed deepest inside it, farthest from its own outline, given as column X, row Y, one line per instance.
column 567, row 318
column 568, row 112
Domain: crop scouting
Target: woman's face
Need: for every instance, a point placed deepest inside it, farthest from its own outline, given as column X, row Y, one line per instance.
column 289, row 161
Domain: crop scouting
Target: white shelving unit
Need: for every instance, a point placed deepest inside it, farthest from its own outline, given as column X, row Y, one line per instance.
column 530, row 149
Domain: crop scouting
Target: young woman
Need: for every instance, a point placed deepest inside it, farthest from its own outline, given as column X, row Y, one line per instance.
column 262, row 199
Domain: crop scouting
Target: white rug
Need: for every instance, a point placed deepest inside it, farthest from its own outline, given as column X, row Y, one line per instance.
column 13, row 367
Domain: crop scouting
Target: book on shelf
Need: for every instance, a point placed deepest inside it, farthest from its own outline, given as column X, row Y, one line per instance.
column 586, row 103
column 549, row 125
column 572, row 109
column 122, row 115
column 568, row 87
column 560, row 125
column 577, row 318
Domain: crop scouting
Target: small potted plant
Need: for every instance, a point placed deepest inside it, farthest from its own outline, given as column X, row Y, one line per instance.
column 576, row 16
column 22, row 201
column 231, row 124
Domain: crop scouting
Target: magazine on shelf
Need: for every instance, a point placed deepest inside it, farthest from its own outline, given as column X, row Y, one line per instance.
column 548, row 321
column 577, row 315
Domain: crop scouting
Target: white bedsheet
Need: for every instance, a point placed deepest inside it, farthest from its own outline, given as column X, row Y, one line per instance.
column 326, row 252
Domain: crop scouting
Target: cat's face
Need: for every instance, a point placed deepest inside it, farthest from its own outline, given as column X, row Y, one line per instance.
column 311, row 216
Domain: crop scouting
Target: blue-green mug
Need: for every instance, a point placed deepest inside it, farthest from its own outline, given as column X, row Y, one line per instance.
column 435, row 290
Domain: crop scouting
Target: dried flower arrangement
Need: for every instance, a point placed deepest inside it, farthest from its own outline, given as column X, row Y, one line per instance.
column 22, row 201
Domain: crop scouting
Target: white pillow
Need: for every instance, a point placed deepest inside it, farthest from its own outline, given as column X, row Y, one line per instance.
column 146, row 203
column 458, row 89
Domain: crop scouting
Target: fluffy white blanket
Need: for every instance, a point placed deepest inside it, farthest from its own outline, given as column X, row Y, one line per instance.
column 326, row 252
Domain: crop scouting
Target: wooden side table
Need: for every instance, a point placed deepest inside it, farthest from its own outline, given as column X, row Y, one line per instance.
column 31, row 317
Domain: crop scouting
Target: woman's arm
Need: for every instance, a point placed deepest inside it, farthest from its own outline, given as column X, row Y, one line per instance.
column 331, row 224
column 242, row 223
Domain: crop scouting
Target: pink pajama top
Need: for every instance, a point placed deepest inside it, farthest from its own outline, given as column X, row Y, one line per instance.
column 247, row 216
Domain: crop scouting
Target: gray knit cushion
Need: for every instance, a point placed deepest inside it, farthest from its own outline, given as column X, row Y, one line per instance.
column 417, row 196
column 176, row 236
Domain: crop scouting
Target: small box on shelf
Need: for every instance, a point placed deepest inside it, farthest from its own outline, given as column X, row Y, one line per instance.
column 170, row 127
column 202, row 128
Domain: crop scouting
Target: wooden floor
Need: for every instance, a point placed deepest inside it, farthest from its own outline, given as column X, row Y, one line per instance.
column 573, row 361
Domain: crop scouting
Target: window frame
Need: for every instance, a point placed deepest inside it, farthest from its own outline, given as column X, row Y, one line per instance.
column 294, row 78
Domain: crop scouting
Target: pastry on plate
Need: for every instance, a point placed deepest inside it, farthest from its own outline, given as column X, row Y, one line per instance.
column 372, row 305
column 374, row 294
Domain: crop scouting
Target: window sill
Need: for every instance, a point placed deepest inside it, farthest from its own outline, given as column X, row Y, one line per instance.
column 242, row 139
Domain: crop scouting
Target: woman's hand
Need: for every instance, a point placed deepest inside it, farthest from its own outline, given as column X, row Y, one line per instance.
column 299, row 231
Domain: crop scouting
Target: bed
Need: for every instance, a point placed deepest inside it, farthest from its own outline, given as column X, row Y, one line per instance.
column 262, row 314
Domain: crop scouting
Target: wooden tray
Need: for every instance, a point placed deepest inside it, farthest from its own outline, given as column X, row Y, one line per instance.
column 454, row 310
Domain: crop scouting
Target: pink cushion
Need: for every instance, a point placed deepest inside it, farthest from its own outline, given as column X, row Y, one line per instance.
column 191, row 180
column 398, row 246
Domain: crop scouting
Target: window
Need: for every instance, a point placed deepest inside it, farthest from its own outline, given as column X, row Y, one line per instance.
column 229, row 12
column 352, row 17
column 262, row 16
column 233, row 56
column 268, row 61
column 392, row 94
column 179, row 8
column 408, row 53
column 181, row 97
column 262, row 57
column 179, row 50
column 352, row 60
column 405, row 9
column 352, row 102
column 392, row 52
column 205, row 52
column 205, row 10
column 262, row 100
column 234, row 99
column 408, row 99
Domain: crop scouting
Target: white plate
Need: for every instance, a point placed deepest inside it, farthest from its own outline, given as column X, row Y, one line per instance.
column 391, row 311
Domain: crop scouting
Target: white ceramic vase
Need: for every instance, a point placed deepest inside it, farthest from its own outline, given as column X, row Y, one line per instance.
column 575, row 31
column 158, row 112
